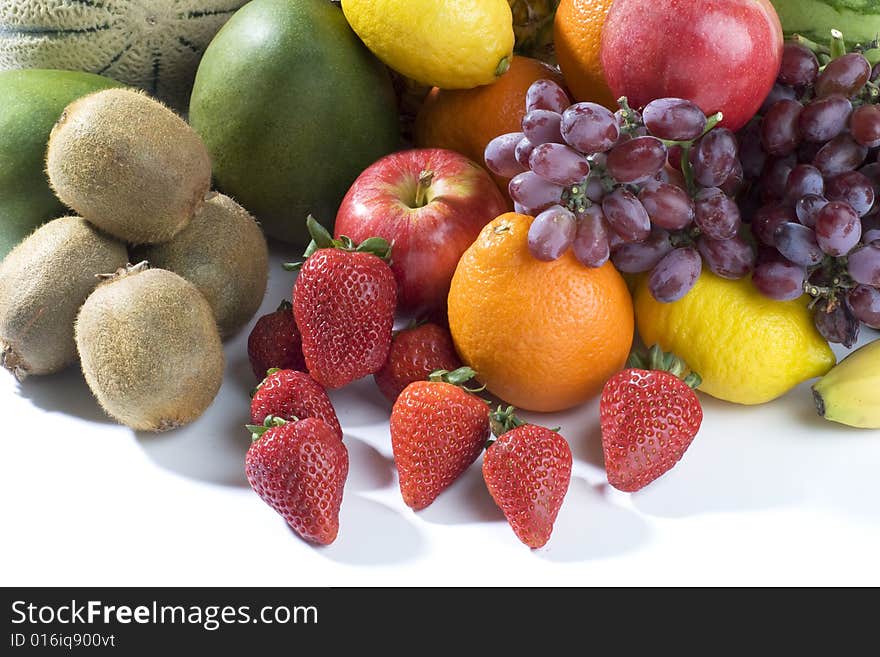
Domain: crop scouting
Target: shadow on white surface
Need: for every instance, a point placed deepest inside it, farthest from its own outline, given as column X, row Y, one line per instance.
column 466, row 501
column 368, row 469
column 65, row 392
column 360, row 404
column 372, row 534
column 590, row 526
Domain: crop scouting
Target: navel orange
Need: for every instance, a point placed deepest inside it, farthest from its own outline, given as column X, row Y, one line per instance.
column 577, row 32
column 543, row 336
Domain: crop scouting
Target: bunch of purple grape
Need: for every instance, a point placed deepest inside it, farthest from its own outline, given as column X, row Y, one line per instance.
column 651, row 191
column 811, row 165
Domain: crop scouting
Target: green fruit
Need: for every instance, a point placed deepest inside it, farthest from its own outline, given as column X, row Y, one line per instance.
column 859, row 20
column 129, row 165
column 223, row 253
column 30, row 103
column 149, row 349
column 292, row 107
column 850, row 392
column 43, row 283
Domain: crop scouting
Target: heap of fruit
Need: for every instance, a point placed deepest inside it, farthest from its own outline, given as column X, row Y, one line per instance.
column 730, row 177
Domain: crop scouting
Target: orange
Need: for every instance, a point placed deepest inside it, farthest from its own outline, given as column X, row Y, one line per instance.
column 577, row 32
column 543, row 336
column 466, row 120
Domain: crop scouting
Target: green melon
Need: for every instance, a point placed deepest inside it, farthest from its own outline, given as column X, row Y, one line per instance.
column 292, row 107
column 859, row 20
column 30, row 103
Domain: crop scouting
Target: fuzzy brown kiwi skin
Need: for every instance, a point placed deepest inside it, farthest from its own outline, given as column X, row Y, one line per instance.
column 43, row 282
column 129, row 165
column 223, row 252
column 149, row 349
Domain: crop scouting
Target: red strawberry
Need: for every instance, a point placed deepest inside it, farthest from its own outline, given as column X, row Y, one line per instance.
column 527, row 471
column 343, row 302
column 415, row 353
column 437, row 431
column 649, row 417
column 275, row 342
column 291, row 395
column 299, row 469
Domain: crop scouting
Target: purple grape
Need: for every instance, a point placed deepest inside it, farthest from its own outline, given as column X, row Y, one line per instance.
column 595, row 190
column 500, row 155
column 807, row 151
column 636, row 257
column 807, row 208
column 674, row 119
column 542, row 127
column 838, row 326
column 864, row 302
column 533, row 192
column 626, row 215
column 775, row 176
column 872, row 173
column 824, row 118
column 751, row 151
column 779, row 279
column 864, row 125
column 615, row 241
column 559, row 164
column 838, row 228
column 777, row 93
column 804, row 179
column 590, row 244
column 713, row 157
column 864, row 264
column 780, row 133
column 523, row 152
column 731, row 259
column 636, row 160
column 590, row 128
column 798, row 243
column 551, row 233
column 853, row 188
column 840, row 155
column 845, row 75
column 870, row 228
column 675, row 274
column 768, row 219
column 547, row 95
column 668, row 206
column 734, row 182
column 717, row 214
column 799, row 65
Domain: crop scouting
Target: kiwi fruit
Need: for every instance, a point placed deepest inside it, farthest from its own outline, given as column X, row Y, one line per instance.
column 129, row 165
column 149, row 349
column 43, row 282
column 223, row 253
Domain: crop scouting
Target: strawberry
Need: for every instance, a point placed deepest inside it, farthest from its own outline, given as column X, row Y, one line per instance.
column 649, row 416
column 299, row 469
column 415, row 353
column 438, row 430
column 289, row 394
column 275, row 342
column 527, row 471
column 343, row 302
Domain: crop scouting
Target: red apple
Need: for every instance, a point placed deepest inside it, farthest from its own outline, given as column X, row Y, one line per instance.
column 724, row 55
column 431, row 204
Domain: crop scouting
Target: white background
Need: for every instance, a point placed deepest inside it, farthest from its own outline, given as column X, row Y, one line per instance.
column 765, row 495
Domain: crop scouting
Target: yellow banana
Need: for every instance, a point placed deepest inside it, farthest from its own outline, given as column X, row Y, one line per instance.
column 850, row 392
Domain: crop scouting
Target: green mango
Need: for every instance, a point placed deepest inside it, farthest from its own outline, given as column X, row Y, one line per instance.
column 31, row 100
column 292, row 107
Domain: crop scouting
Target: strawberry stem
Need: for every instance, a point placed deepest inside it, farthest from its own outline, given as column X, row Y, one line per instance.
column 456, row 377
column 322, row 239
column 271, row 421
column 502, row 420
column 657, row 359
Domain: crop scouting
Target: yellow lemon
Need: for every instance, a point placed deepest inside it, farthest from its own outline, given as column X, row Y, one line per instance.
column 749, row 349
column 454, row 44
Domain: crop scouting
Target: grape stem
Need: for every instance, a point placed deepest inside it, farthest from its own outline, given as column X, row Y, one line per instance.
column 838, row 45
column 687, row 169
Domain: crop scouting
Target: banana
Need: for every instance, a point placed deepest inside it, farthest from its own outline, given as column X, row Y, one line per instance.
column 850, row 392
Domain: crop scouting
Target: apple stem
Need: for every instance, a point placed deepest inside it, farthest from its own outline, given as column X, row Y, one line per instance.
column 425, row 179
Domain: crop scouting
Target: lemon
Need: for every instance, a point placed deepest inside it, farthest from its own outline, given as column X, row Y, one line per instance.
column 451, row 44
column 747, row 348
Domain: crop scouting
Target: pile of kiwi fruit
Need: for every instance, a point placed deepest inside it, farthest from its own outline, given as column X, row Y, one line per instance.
column 146, row 277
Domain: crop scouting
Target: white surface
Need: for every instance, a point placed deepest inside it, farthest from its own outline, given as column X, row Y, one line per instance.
column 765, row 495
